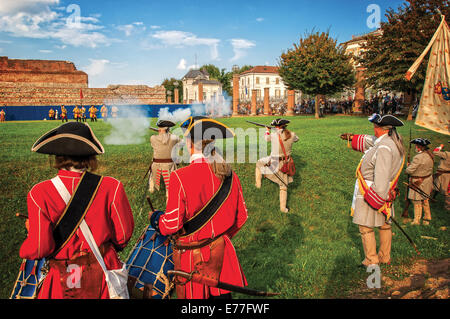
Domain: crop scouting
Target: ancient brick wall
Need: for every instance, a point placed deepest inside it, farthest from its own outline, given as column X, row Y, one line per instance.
column 42, row 82
column 41, row 72
column 22, row 94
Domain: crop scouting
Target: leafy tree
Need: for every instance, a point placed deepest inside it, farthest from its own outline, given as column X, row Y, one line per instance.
column 244, row 68
column 214, row 71
column 171, row 84
column 224, row 77
column 316, row 66
column 403, row 38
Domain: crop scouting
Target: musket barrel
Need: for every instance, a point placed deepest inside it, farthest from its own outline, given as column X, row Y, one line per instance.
column 418, row 190
column 150, row 203
column 406, row 235
column 259, row 124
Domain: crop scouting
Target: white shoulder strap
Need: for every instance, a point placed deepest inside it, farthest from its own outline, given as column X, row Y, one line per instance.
column 91, row 241
column 61, row 188
column 65, row 195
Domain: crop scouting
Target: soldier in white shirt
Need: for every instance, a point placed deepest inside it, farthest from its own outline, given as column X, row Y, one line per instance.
column 163, row 163
column 420, row 171
column 281, row 140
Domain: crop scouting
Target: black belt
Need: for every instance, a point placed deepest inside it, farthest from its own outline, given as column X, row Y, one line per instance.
column 167, row 160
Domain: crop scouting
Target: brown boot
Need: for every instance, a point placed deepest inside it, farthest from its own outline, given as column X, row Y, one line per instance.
column 283, row 200
column 384, row 253
column 370, row 245
column 417, row 213
column 258, row 178
column 151, row 184
column 427, row 212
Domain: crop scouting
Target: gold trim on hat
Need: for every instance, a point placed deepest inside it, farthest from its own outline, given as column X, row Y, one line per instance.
column 35, row 147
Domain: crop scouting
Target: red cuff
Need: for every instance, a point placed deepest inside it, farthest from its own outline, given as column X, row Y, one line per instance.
column 373, row 199
column 358, row 143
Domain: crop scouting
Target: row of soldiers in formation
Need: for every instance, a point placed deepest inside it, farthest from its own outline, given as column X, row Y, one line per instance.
column 375, row 188
column 205, row 247
column 2, row 116
column 79, row 113
column 281, row 139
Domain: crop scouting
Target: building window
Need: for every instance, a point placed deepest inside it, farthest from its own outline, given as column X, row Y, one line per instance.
column 257, row 80
column 277, row 81
column 277, row 93
column 267, row 80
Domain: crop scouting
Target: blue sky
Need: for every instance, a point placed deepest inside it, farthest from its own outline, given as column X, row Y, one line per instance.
column 143, row 42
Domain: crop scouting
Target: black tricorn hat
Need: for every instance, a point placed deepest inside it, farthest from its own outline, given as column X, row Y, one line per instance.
column 280, row 122
column 70, row 139
column 165, row 123
column 385, row 120
column 420, row 141
column 203, row 128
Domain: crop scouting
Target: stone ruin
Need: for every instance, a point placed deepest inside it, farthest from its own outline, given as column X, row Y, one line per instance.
column 54, row 83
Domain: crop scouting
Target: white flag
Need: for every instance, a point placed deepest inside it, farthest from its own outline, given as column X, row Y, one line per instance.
column 434, row 107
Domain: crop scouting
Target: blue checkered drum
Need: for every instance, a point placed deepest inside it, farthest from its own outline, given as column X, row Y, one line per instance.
column 148, row 264
column 31, row 275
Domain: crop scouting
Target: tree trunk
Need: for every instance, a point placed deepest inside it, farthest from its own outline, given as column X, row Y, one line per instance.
column 411, row 105
column 317, row 107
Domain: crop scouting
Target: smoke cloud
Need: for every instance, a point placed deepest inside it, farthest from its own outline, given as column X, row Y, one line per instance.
column 179, row 115
column 218, row 107
column 130, row 127
column 132, row 122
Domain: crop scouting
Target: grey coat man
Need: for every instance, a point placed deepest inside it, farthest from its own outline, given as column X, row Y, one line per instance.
column 442, row 176
column 377, row 177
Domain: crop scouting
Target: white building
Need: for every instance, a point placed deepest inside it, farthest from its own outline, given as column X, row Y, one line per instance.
column 259, row 78
column 212, row 89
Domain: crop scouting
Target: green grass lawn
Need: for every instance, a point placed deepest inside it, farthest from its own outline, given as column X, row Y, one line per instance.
column 312, row 252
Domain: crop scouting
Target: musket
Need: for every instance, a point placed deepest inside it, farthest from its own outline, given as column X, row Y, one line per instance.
column 198, row 278
column 406, row 235
column 277, row 176
column 259, row 124
column 407, row 201
column 149, row 170
column 21, row 215
column 420, row 191
column 149, row 201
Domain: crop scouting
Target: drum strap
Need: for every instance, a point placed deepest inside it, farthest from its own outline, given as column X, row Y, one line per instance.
column 212, row 207
column 77, row 207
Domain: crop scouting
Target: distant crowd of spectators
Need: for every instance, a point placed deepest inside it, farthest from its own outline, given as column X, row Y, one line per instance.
column 387, row 104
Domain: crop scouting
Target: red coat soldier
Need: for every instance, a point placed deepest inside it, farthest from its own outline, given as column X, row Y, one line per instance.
column 205, row 247
column 109, row 218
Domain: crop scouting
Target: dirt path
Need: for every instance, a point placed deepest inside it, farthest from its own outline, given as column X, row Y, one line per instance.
column 422, row 280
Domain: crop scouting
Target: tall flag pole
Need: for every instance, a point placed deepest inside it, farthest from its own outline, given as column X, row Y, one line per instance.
column 81, row 97
column 434, row 107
